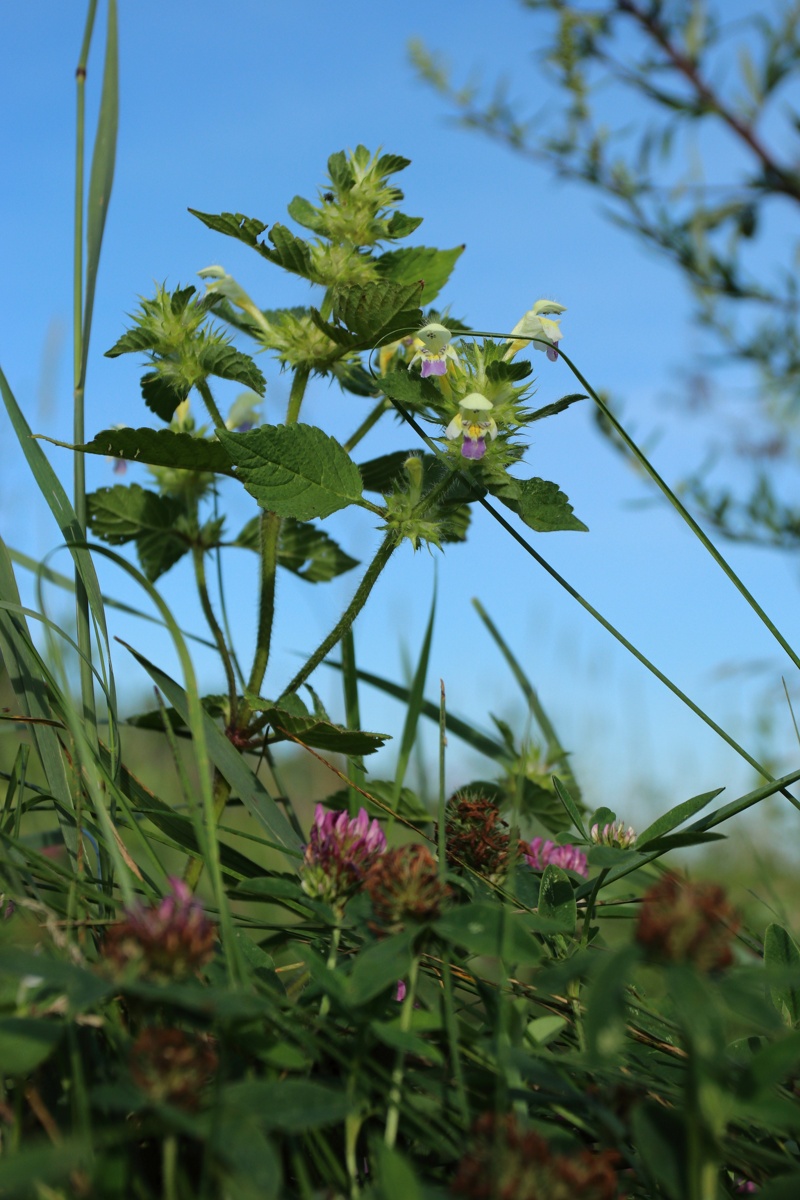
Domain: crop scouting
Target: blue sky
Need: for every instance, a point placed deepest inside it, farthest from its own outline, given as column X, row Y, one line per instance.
column 237, row 107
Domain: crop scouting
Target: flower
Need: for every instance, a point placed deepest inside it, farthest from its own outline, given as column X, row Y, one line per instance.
column 473, row 425
column 171, row 1065
column 613, row 835
column 339, row 853
column 505, row 1160
column 476, row 836
column 434, row 350
column 223, row 284
column 537, row 330
column 684, row 922
column 539, row 853
column 404, row 886
column 168, row 940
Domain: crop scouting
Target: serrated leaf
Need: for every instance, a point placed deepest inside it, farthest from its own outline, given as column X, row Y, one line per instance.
column 226, row 362
column 291, row 253
column 351, row 376
column 122, row 514
column 235, row 225
column 400, row 225
column 380, row 474
column 160, row 448
column 410, row 389
column 303, row 549
column 411, row 264
column 557, row 406
column 294, row 470
column 134, row 341
column 322, row 735
column 306, row 214
column 336, row 333
column 377, row 312
column 390, row 164
column 162, row 396
column 540, row 503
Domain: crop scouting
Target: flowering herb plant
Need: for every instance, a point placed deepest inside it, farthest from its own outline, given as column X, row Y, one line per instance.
column 215, row 988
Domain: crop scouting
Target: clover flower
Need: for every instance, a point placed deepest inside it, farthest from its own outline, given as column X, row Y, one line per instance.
column 473, row 424
column 167, row 940
column 505, row 1160
column 168, row 1064
column 404, row 885
column 684, row 922
column 613, row 835
column 434, row 350
column 476, row 836
column 339, row 853
column 539, row 854
column 537, row 329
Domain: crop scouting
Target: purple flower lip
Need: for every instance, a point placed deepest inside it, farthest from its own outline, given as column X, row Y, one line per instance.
column 552, row 353
column 473, row 449
column 433, row 366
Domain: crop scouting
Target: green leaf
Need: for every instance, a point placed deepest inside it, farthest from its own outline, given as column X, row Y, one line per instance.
column 378, row 312
column 120, row 514
column 405, row 1041
column 163, row 395
column 102, row 174
column 235, row 225
column 606, row 1002
column 291, row 1105
column 304, row 212
column 674, row 817
column 400, row 225
column 302, row 549
column 226, row 362
column 381, row 474
column 540, row 504
column 25, row 1042
column 781, row 953
column 379, row 967
column 410, row 389
column 294, row 470
column 158, row 448
column 566, row 799
column 396, row 1178
column 409, row 266
column 557, row 898
column 557, row 406
column 291, row 253
column 659, row 1136
column 322, row 735
column 490, row 930
column 351, row 376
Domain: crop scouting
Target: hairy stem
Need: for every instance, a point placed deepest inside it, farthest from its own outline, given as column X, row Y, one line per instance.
column 349, row 615
column 296, row 395
column 208, row 400
column 270, row 536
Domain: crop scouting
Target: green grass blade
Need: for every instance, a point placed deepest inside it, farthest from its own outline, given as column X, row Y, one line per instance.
column 352, row 711
column 102, row 176
column 573, row 812
column 42, row 571
column 50, row 487
column 556, row 754
column 228, row 761
column 416, row 700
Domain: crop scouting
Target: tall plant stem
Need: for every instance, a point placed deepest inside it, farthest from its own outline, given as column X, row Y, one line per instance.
column 198, row 558
column 78, row 333
column 270, row 535
column 210, row 403
column 296, row 394
column 349, row 615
